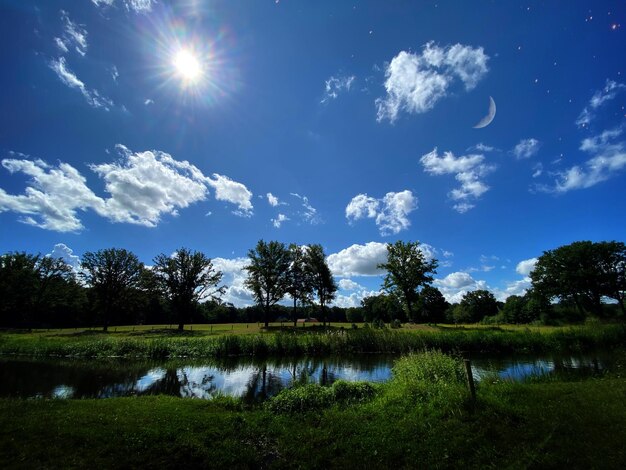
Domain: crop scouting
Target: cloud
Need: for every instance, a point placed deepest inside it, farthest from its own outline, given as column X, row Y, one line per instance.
column 273, row 200
column 277, row 222
column 61, row 250
column 349, row 284
column 482, row 148
column 526, row 148
column 71, row 80
column 337, row 85
column 358, row 260
column 354, row 299
column 457, row 284
column 53, row 195
column 526, row 266
column 308, row 213
column 74, row 35
column 233, row 192
column 469, row 171
column 143, row 187
column 149, row 184
column 114, row 73
column 390, row 212
column 148, row 101
column 416, row 82
column 608, row 158
column 138, row 6
column 234, row 276
column 609, row 92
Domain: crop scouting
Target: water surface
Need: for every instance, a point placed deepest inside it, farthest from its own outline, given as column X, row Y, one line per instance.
column 247, row 378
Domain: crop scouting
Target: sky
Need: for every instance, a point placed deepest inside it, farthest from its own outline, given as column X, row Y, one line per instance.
column 488, row 132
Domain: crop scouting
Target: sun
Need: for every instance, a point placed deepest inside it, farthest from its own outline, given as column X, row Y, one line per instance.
column 187, row 66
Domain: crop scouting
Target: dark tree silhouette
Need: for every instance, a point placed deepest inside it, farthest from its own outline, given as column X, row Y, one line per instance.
column 322, row 281
column 299, row 282
column 268, row 274
column 187, row 277
column 112, row 274
column 407, row 270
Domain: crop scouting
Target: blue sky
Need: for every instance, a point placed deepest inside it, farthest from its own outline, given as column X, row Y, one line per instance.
column 151, row 125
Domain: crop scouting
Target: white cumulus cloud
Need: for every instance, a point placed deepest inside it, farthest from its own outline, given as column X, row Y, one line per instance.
column 278, row 221
column 390, row 213
column 233, row 192
column 61, row 250
column 416, row 82
column 526, row 266
column 143, row 186
column 469, row 171
column 358, row 260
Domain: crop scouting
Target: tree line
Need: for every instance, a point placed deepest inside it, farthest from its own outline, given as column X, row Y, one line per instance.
column 112, row 287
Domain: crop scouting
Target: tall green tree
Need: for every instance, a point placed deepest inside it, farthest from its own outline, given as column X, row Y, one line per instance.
column 322, row 281
column 112, row 274
column 299, row 282
column 187, row 277
column 268, row 274
column 582, row 272
column 408, row 270
column 475, row 306
column 431, row 305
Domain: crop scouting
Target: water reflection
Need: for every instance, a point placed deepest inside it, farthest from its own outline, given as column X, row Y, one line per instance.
column 240, row 377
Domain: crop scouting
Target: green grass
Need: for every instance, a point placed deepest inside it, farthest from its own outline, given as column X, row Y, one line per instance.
column 162, row 343
column 419, row 419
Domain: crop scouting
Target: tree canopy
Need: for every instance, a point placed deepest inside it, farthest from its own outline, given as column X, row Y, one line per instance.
column 112, row 273
column 583, row 272
column 268, row 274
column 322, row 280
column 408, row 270
column 187, row 277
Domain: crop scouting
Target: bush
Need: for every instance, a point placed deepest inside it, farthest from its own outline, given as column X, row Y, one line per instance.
column 313, row 397
column 396, row 324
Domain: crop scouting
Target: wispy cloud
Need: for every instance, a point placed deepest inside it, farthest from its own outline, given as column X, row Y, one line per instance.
column 469, row 170
column 526, row 148
column 233, row 192
column 608, row 158
column 138, row 6
column 337, row 85
column 59, row 66
column 609, row 92
column 272, row 200
column 416, row 82
column 74, row 36
column 307, row 213
column 390, row 213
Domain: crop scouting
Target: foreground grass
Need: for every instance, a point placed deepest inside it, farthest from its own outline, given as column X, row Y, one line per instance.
column 162, row 343
column 420, row 419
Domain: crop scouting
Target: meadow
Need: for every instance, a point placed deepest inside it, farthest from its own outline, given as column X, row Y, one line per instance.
column 423, row 417
column 162, row 341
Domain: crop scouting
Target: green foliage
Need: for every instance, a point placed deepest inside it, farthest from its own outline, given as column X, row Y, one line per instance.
column 407, row 271
column 381, row 308
column 112, row 274
column 475, row 306
column 186, row 277
column 312, row 397
column 268, row 274
column 322, row 281
column 299, row 279
column 583, row 272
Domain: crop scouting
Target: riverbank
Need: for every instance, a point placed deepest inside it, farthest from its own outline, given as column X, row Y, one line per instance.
column 163, row 343
column 422, row 418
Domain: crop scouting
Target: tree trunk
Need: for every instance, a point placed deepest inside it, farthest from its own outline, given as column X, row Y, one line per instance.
column 295, row 316
column 181, row 325
column 267, row 315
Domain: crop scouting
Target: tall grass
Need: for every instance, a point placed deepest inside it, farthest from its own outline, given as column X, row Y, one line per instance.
column 320, row 343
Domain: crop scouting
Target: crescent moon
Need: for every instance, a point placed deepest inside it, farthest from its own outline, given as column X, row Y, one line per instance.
column 484, row 122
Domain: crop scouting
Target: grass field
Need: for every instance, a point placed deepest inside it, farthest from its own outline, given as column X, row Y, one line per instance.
column 422, row 418
column 220, row 341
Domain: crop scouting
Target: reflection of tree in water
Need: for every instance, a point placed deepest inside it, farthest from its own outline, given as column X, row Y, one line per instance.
column 263, row 384
column 177, row 382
